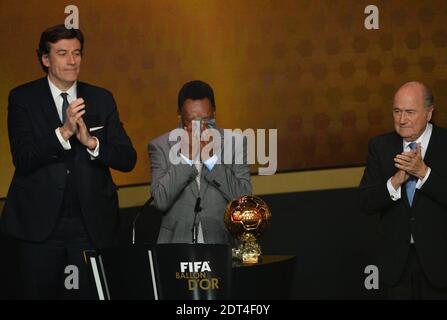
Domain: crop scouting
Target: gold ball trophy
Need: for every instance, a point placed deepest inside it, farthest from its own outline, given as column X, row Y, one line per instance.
column 246, row 218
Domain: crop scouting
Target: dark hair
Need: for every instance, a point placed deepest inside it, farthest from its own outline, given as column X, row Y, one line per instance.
column 195, row 90
column 429, row 100
column 53, row 35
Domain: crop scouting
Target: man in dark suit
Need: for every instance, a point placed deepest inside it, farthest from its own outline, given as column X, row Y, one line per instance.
column 405, row 183
column 64, row 135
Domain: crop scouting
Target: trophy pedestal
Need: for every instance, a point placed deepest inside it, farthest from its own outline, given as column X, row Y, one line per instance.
column 248, row 252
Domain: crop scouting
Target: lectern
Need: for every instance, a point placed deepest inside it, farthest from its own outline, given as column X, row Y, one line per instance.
column 193, row 271
column 166, row 271
column 122, row 273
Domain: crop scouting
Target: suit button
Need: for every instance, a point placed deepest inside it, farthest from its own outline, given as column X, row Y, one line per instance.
column 68, row 172
column 412, row 219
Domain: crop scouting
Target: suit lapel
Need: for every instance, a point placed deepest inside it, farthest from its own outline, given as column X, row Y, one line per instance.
column 396, row 147
column 91, row 115
column 193, row 183
column 433, row 145
column 80, row 92
column 51, row 115
column 48, row 106
column 75, row 144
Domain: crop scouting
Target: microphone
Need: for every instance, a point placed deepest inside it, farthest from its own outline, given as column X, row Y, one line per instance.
column 197, row 207
column 194, row 230
column 148, row 202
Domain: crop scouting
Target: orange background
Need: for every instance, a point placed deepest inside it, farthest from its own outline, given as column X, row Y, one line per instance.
column 307, row 68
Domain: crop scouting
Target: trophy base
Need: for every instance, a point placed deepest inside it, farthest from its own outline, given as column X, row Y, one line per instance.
column 248, row 252
column 249, row 259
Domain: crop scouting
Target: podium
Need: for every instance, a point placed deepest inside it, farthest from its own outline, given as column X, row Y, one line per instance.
column 187, row 272
column 193, row 271
column 122, row 273
column 165, row 271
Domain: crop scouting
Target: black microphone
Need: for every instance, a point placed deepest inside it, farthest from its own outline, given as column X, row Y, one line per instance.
column 194, row 230
column 148, row 202
column 197, row 207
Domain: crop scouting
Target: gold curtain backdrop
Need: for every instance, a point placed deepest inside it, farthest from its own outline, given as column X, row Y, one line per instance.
column 307, row 68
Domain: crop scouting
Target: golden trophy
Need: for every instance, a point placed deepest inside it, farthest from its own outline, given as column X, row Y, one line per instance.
column 246, row 218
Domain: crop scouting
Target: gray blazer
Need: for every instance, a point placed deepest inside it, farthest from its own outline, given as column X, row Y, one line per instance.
column 175, row 193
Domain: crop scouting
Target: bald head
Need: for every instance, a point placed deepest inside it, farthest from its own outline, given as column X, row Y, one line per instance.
column 412, row 110
column 418, row 90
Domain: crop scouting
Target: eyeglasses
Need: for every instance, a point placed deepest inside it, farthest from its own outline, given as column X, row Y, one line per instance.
column 209, row 122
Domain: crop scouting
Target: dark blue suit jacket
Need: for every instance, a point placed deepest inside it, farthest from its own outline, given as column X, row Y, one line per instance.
column 426, row 219
column 35, row 196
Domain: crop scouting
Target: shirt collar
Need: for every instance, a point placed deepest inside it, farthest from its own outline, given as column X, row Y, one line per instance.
column 422, row 137
column 56, row 92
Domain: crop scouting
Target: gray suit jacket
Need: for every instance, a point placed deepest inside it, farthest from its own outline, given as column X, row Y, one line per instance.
column 175, row 192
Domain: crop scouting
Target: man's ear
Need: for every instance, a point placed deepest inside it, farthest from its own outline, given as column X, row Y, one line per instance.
column 179, row 118
column 430, row 113
column 46, row 60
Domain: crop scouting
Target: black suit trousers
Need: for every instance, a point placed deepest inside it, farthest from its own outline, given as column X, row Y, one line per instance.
column 414, row 284
column 43, row 264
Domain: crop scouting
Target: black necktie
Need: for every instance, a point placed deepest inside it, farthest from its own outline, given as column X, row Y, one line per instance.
column 64, row 106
